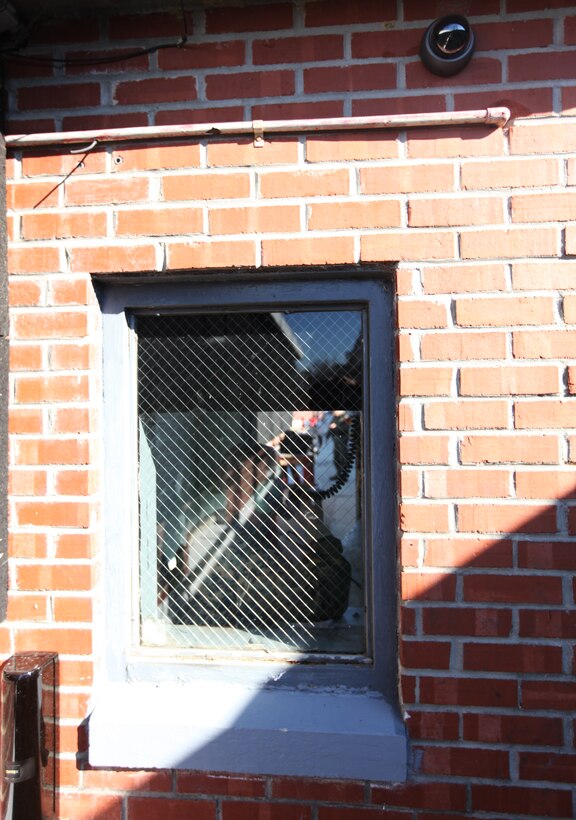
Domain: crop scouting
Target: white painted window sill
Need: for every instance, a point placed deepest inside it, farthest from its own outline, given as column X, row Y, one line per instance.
column 222, row 727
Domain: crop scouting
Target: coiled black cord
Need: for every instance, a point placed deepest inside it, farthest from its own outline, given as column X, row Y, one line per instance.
column 344, row 474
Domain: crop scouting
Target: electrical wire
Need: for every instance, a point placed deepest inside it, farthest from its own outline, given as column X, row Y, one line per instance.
column 132, row 54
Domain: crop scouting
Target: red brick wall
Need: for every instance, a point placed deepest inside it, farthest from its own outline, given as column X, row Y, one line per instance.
column 479, row 219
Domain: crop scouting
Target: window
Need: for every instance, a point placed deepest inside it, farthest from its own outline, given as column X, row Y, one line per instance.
column 250, row 528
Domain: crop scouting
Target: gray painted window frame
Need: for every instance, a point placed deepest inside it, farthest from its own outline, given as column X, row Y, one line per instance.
column 122, row 662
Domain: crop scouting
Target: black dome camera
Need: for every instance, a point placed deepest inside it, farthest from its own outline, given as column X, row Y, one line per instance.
column 447, row 45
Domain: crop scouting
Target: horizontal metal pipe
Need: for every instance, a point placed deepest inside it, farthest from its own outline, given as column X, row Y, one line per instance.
column 259, row 129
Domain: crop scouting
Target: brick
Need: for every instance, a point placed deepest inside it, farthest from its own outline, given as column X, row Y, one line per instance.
column 520, row 589
column 428, row 586
column 520, row 800
column 349, row 78
column 425, row 381
column 570, row 240
column 284, row 110
column 465, row 415
column 52, row 514
column 423, row 449
column 206, row 186
column 218, row 784
column 23, row 420
column 533, row 659
column 63, row 225
column 553, row 344
column 472, row 141
column 339, row 13
column 335, row 216
column 455, row 210
column 506, row 517
column 555, row 624
column 372, row 44
column 468, row 691
column 139, row 26
column 551, row 766
column 64, row 641
column 425, row 654
column 516, row 35
column 407, row 178
column 465, row 762
column 308, row 251
column 239, row 810
column 74, row 545
column 24, row 293
column 424, row 517
column 548, row 207
column 548, row 413
column 27, row 607
column 545, row 484
column 111, row 62
column 26, row 357
column 71, row 291
column 433, row 726
column 507, row 243
column 547, row 555
column 414, row 245
column 71, row 357
column 537, row 138
column 155, row 90
column 569, row 308
column 156, row 157
column 509, row 380
column 250, row 84
column 467, row 483
column 72, row 609
column 509, row 173
column 464, row 279
column 571, row 380
column 421, row 313
column 44, row 325
column 106, row 191
column 482, row 71
column 86, row 806
column 333, row 791
column 198, row 115
column 27, row 545
column 347, row 147
column 409, row 549
column 33, row 389
column 434, row 796
column 504, row 310
column 70, row 420
column 211, row 255
column 541, row 694
column 352, row 813
column 273, row 16
column 516, row 729
column 113, row 258
column 194, row 56
column 551, row 275
column 50, row 577
column 69, row 95
column 242, row 151
column 261, row 219
column 478, row 623
column 504, row 449
column 88, row 122
column 27, row 482
column 37, row 164
column 539, row 67
column 33, row 260
column 75, row 482
column 468, row 552
column 311, row 49
column 159, row 221
column 304, row 183
column 464, row 345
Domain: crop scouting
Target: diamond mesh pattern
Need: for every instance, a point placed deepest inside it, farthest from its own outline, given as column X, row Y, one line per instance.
column 250, row 481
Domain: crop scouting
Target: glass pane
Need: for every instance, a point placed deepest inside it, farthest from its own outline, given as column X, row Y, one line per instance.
column 251, row 481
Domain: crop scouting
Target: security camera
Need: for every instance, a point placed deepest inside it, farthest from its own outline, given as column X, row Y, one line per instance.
column 447, row 45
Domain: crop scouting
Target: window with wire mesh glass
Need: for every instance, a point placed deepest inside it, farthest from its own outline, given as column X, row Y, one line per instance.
column 252, row 489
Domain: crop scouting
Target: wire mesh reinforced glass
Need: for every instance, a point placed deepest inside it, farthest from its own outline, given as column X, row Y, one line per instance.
column 251, row 487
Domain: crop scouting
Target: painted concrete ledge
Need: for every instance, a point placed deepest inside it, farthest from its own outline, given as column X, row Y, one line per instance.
column 228, row 728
